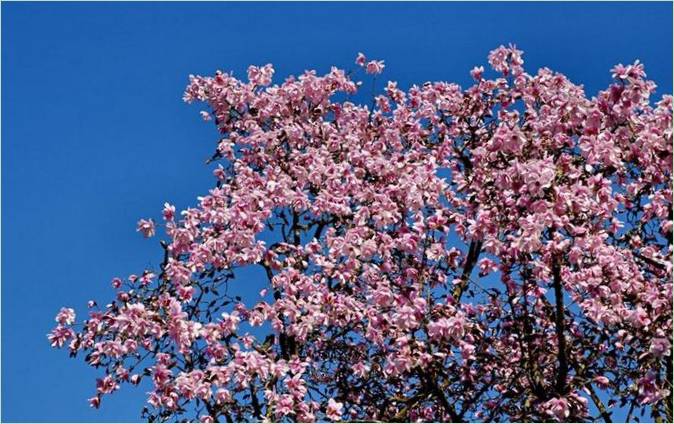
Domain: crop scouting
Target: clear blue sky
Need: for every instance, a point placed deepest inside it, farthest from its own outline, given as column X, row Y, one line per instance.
column 95, row 134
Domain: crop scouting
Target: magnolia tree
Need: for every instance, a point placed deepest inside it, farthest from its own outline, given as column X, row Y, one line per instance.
column 500, row 253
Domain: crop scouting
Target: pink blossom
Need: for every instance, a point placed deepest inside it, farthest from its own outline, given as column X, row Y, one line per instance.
column 334, row 410
column 66, row 316
column 660, row 346
column 106, row 385
column 261, row 76
column 648, row 390
column 285, row 405
column 146, row 227
column 169, row 212
column 116, row 282
column 223, row 396
column 374, row 67
column 557, row 408
column 477, row 72
column 487, row 266
column 219, row 173
column 60, row 335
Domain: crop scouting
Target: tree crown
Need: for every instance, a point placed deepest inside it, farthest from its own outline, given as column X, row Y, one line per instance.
column 502, row 252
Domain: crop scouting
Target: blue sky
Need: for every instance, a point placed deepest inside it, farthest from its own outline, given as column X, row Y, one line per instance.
column 95, row 134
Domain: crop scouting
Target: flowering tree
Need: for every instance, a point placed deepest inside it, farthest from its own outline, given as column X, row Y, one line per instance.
column 497, row 253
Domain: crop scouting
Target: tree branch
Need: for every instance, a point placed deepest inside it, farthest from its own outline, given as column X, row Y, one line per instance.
column 563, row 369
column 599, row 404
column 471, row 260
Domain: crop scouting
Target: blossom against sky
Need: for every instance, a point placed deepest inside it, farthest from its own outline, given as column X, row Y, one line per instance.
column 96, row 135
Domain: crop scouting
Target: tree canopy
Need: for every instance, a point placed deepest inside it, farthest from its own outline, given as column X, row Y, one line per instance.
column 496, row 253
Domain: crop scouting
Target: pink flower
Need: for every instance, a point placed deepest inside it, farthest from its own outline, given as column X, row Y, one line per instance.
column 220, row 173
column 375, row 67
column 106, row 385
column 116, row 282
column 147, row 278
column 223, row 396
column 185, row 293
column 122, row 373
column 506, row 59
column 639, row 318
column 178, row 272
column 285, row 405
column 634, row 71
column 487, row 266
column 446, row 328
column 659, row 347
column 360, row 59
column 146, row 227
column 334, row 410
column 477, row 72
column 648, row 390
column 66, row 316
column 498, row 59
column 60, row 335
column 557, row 408
column 169, row 212
column 261, row 76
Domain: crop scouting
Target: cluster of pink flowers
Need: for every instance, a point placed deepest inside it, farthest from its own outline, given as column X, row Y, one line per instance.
column 373, row 67
column 501, row 252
